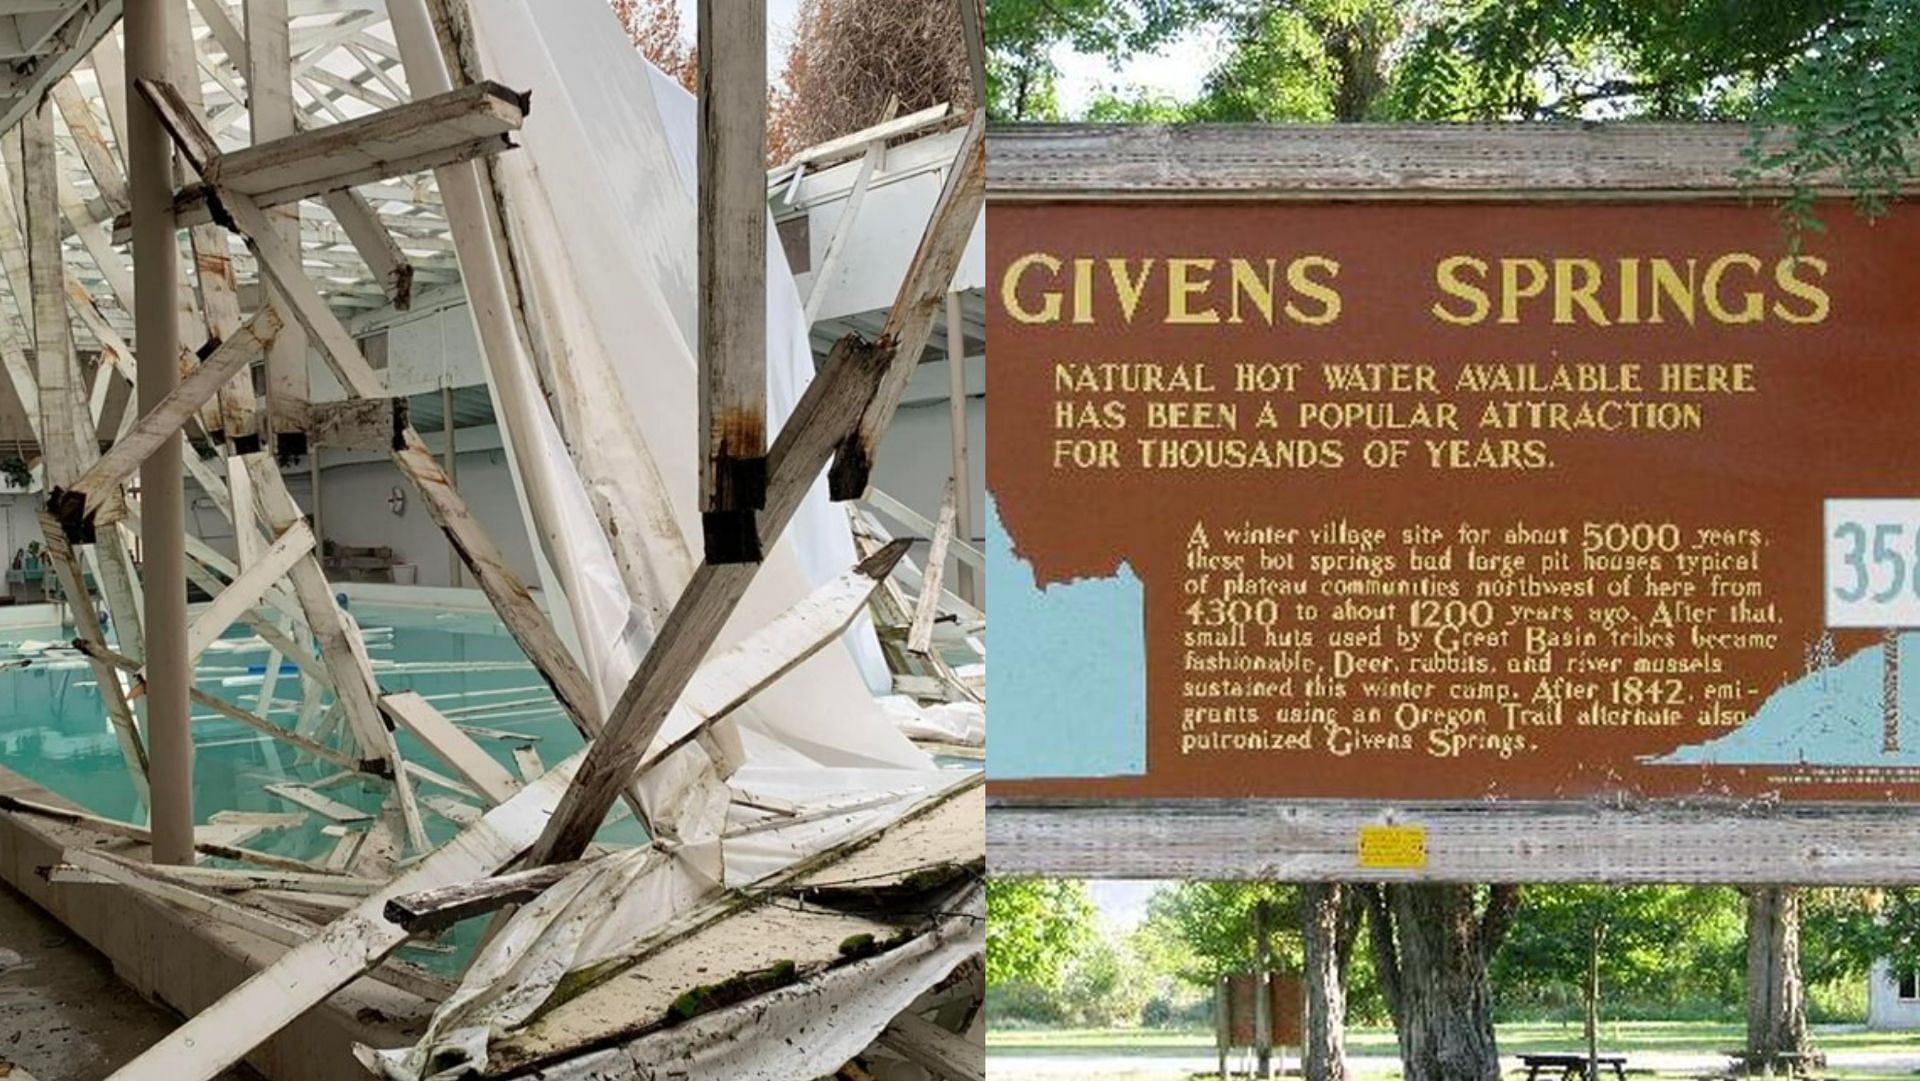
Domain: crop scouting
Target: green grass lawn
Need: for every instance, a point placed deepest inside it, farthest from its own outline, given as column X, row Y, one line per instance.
column 1624, row 1037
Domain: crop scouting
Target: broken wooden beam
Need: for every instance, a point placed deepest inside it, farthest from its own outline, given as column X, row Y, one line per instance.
column 440, row 130
column 435, row 910
column 475, row 766
column 823, row 418
column 934, row 572
column 376, row 245
column 159, row 426
column 732, row 228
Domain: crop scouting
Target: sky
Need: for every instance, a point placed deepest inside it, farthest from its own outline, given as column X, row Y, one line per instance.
column 1176, row 71
column 1121, row 904
column 780, row 16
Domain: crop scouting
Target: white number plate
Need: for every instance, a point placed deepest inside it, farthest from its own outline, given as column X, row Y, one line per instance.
column 1873, row 562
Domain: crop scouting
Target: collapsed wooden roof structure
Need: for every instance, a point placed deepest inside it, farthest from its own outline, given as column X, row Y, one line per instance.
column 339, row 153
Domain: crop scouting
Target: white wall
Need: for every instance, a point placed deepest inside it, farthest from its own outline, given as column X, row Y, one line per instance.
column 916, row 457
column 354, row 510
column 1885, row 1008
column 18, row 523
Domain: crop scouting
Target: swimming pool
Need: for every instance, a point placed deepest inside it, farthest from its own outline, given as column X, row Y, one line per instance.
column 53, row 727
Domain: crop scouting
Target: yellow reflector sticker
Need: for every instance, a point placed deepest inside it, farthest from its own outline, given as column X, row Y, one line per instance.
column 1400, row 848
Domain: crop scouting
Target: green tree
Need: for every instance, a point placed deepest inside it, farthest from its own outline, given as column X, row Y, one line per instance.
column 1105, row 985
column 1206, row 928
column 1664, row 946
column 1035, row 927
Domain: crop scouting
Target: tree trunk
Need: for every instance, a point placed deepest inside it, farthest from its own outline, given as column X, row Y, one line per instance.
column 1326, row 937
column 1262, row 990
column 1776, row 999
column 1433, row 958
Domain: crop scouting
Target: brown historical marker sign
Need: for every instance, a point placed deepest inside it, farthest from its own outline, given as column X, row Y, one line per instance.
column 1488, row 492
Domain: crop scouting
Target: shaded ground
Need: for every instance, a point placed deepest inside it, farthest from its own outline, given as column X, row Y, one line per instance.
column 1653, row 1050
column 64, row 1016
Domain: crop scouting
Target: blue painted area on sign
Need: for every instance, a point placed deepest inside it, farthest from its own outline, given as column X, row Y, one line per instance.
column 1832, row 716
column 1068, row 681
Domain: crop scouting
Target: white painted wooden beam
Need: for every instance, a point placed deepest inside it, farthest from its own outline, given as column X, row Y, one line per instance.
column 457, row 749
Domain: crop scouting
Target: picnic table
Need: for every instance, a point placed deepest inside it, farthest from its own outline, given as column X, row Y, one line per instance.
column 1572, row 1067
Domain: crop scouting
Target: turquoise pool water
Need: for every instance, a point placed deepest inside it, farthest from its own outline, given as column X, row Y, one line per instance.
column 53, row 728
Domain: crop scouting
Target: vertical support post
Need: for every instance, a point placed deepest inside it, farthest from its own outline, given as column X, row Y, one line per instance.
column 733, row 272
column 1262, row 989
column 156, row 275
column 966, row 584
column 450, row 463
column 270, row 90
column 973, row 22
column 1222, row 1022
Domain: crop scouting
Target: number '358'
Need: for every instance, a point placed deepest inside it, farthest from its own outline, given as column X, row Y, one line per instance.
column 1883, row 556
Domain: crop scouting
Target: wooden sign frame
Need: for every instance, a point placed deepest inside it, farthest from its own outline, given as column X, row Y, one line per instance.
column 1647, row 841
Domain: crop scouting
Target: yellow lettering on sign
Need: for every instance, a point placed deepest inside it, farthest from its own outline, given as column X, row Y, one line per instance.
column 1399, row 848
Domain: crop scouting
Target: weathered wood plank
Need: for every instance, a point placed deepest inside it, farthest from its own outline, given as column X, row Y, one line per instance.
column 843, row 226
column 272, row 115
column 425, row 134
column 474, row 765
column 856, row 142
column 1376, row 161
column 91, row 143
column 376, row 245
column 295, row 543
column 438, row 909
column 927, row 607
column 732, row 228
column 67, row 442
column 1318, row 840
column 303, row 796
column 726, row 682
column 356, row 424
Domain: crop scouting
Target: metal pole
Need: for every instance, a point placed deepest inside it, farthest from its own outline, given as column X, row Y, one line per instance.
column 156, row 278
